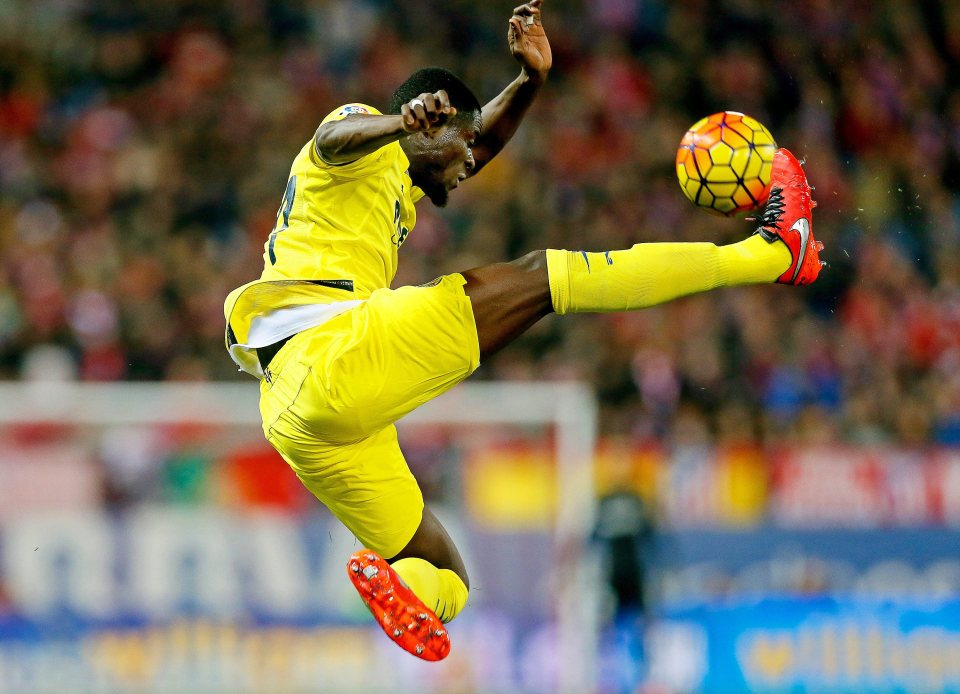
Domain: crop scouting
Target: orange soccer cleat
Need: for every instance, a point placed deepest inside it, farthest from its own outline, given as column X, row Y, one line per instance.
column 399, row 612
column 787, row 218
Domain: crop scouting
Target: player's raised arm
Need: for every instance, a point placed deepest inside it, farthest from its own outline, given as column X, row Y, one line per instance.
column 346, row 140
column 501, row 117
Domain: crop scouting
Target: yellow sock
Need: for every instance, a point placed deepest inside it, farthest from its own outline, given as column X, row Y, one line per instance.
column 652, row 273
column 440, row 589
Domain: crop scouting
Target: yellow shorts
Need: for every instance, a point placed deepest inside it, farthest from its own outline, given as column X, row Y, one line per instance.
column 335, row 391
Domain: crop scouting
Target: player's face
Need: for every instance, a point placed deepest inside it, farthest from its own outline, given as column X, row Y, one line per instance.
column 443, row 161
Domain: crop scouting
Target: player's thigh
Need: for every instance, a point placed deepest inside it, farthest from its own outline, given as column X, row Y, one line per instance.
column 507, row 299
column 409, row 346
column 366, row 484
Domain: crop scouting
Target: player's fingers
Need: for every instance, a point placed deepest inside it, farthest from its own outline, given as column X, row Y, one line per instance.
column 419, row 111
column 423, row 119
column 430, row 107
column 409, row 120
column 516, row 28
column 437, row 114
column 443, row 102
column 528, row 19
column 531, row 9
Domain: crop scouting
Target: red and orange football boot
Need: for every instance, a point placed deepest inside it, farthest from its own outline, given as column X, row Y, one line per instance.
column 787, row 217
column 400, row 613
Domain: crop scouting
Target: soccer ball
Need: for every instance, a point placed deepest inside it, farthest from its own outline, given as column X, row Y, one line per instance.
column 724, row 162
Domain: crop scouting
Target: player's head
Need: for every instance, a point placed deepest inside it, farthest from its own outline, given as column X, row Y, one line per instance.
column 439, row 160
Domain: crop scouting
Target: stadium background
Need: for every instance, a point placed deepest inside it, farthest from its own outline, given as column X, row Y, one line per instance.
column 783, row 463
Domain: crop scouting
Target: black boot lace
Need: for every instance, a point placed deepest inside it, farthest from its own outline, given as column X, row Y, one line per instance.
column 770, row 219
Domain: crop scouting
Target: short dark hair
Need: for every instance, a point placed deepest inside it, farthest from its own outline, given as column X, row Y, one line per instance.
column 432, row 79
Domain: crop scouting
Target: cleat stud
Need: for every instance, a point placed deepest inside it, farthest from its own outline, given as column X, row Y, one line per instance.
column 397, row 633
column 411, row 626
column 355, row 567
column 370, row 571
column 419, row 649
column 422, row 616
column 438, row 632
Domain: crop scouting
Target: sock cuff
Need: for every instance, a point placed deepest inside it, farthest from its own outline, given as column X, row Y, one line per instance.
column 558, row 274
column 442, row 590
column 454, row 594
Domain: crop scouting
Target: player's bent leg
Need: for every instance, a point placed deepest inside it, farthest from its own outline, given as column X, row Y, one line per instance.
column 396, row 607
column 370, row 489
column 412, row 594
column 431, row 565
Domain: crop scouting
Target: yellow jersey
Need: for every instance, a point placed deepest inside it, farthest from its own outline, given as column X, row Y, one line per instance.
column 336, row 238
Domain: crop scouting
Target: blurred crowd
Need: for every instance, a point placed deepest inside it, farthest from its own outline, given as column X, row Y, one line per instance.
column 144, row 148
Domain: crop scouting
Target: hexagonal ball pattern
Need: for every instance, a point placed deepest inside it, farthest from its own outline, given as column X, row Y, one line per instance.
column 724, row 161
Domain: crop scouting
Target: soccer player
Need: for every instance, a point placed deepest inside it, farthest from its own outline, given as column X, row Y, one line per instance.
column 341, row 356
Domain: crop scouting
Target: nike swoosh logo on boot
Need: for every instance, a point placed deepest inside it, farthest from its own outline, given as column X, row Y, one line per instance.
column 802, row 227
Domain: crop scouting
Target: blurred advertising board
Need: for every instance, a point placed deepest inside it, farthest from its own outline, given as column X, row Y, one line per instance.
column 171, row 598
column 808, row 645
column 806, row 486
column 196, row 656
column 703, row 567
column 865, row 487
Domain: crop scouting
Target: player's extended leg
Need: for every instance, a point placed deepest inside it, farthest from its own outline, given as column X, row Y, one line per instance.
column 508, row 298
column 432, row 576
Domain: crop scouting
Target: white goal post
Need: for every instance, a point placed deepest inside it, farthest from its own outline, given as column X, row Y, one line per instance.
column 568, row 407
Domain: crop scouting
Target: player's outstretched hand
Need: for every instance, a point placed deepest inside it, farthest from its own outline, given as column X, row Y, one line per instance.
column 427, row 112
column 528, row 42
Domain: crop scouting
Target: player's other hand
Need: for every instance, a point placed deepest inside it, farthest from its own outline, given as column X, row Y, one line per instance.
column 528, row 42
column 427, row 112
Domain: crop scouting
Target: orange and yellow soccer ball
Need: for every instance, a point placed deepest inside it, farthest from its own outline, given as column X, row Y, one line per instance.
column 724, row 162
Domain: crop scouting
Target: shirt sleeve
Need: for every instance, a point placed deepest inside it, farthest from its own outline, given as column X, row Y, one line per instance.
column 363, row 166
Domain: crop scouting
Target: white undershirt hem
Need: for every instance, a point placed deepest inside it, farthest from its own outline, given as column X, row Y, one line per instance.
column 276, row 325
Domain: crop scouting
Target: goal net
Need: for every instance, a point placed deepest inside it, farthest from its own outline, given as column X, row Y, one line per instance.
column 151, row 541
